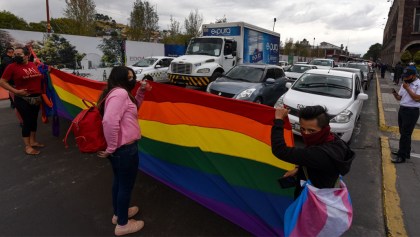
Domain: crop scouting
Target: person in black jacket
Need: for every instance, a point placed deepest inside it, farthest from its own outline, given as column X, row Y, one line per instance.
column 325, row 156
column 7, row 59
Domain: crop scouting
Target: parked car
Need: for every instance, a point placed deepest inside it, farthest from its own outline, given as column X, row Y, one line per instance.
column 367, row 71
column 152, row 68
column 340, row 92
column 301, row 62
column 323, row 63
column 283, row 63
column 295, row 71
column 259, row 83
column 359, row 73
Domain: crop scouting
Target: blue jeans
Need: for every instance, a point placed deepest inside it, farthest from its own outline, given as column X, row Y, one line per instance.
column 125, row 162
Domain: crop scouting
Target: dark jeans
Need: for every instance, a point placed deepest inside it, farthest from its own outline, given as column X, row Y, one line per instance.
column 29, row 115
column 407, row 118
column 125, row 162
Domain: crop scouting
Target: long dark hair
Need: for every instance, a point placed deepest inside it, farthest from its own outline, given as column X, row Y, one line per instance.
column 117, row 78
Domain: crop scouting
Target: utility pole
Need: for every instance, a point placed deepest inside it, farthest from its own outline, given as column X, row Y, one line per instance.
column 48, row 18
column 275, row 19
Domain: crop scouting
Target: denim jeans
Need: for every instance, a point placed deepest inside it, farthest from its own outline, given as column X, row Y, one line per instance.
column 407, row 118
column 125, row 162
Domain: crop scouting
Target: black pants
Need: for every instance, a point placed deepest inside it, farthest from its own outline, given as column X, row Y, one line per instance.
column 29, row 115
column 407, row 118
column 125, row 165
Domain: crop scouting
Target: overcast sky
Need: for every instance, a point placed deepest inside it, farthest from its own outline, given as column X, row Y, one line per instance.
column 357, row 23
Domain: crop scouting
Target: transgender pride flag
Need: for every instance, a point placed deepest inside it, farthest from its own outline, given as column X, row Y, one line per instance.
column 319, row 212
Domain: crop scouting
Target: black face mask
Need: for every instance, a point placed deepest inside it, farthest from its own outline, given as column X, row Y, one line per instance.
column 409, row 81
column 18, row 59
column 131, row 84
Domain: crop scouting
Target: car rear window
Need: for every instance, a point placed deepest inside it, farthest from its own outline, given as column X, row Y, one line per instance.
column 328, row 85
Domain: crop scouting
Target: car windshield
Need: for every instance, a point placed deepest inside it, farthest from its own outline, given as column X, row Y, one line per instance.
column 145, row 62
column 321, row 62
column 363, row 67
column 244, row 73
column 328, row 85
column 298, row 68
column 205, row 46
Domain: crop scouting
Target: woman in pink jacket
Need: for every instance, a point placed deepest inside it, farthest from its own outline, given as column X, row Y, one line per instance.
column 122, row 131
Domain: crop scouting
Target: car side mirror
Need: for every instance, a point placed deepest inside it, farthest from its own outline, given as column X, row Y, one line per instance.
column 270, row 81
column 362, row 96
column 234, row 54
column 288, row 85
column 158, row 66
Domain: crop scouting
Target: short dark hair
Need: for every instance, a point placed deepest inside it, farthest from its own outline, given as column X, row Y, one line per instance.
column 9, row 48
column 315, row 112
column 25, row 50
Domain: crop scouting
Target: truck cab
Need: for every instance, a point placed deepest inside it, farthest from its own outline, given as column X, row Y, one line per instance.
column 206, row 59
column 221, row 47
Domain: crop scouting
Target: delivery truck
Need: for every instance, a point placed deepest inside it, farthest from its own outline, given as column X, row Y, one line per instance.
column 221, row 47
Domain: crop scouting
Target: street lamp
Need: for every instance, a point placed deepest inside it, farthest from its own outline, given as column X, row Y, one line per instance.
column 275, row 19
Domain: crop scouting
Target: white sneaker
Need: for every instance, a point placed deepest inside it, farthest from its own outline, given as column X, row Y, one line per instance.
column 132, row 226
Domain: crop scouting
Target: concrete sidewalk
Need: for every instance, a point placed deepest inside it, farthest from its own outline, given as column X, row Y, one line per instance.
column 401, row 181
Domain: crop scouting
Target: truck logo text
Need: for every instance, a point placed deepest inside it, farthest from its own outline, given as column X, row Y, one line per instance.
column 220, row 31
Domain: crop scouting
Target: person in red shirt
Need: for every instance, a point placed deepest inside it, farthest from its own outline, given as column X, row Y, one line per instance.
column 27, row 92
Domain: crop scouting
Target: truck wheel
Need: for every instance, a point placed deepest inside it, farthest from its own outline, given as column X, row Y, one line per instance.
column 215, row 75
column 149, row 78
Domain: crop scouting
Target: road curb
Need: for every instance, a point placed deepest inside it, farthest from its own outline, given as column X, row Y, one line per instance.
column 382, row 123
column 394, row 221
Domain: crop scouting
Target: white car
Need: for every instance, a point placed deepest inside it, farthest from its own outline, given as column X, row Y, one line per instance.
column 152, row 68
column 323, row 63
column 295, row 71
column 340, row 92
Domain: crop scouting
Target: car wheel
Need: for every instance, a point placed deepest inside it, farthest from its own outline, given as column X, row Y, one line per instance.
column 215, row 75
column 258, row 100
column 148, row 78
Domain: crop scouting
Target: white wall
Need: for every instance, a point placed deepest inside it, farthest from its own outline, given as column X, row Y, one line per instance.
column 138, row 50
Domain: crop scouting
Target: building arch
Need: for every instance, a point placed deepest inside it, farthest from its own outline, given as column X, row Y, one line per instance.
column 412, row 43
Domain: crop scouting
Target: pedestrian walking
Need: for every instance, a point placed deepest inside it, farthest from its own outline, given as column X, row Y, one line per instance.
column 408, row 114
column 397, row 73
column 27, row 91
column 383, row 70
column 7, row 59
column 104, row 76
column 325, row 156
column 122, row 132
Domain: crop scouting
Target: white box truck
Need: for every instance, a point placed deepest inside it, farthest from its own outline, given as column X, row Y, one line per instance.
column 221, row 47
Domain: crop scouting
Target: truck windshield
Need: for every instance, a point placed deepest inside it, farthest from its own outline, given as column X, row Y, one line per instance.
column 205, row 46
column 145, row 62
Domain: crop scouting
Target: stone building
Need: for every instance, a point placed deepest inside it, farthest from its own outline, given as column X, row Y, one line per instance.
column 402, row 30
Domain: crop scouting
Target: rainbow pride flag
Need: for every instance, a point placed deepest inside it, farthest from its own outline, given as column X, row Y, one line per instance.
column 212, row 149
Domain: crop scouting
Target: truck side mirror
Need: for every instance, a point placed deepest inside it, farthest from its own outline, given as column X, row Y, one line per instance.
column 270, row 81
column 234, row 54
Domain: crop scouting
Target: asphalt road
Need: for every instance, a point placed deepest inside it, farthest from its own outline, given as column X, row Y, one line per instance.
column 63, row 192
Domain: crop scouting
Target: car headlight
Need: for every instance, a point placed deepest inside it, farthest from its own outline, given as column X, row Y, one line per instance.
column 203, row 70
column 138, row 71
column 279, row 103
column 245, row 94
column 343, row 117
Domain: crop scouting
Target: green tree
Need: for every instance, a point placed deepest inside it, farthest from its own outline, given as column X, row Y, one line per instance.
column 288, row 47
column 6, row 40
column 40, row 27
column 406, row 57
column 112, row 49
column 10, row 21
column 174, row 35
column 374, row 52
column 64, row 26
column 143, row 21
column 416, row 58
column 56, row 50
column 83, row 13
column 193, row 23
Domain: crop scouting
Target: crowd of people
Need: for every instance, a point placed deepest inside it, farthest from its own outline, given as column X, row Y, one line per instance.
column 324, row 158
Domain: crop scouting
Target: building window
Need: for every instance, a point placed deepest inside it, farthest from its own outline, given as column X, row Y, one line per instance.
column 417, row 20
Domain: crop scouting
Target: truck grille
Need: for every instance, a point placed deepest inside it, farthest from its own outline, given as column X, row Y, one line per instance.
column 181, row 68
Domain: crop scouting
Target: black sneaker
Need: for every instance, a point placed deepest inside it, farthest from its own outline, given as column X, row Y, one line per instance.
column 397, row 159
column 396, row 153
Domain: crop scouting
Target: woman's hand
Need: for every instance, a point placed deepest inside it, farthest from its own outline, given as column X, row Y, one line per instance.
column 22, row 92
column 103, row 154
column 148, row 87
